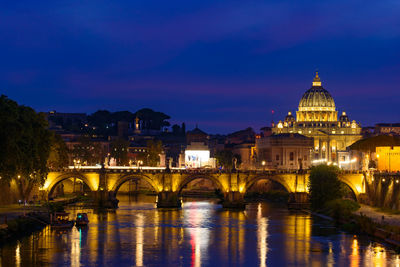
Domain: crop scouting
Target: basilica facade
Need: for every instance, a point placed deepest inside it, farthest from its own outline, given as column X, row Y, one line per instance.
column 317, row 117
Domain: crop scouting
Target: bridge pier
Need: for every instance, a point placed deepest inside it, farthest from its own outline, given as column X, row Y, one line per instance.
column 106, row 199
column 298, row 200
column 234, row 200
column 168, row 199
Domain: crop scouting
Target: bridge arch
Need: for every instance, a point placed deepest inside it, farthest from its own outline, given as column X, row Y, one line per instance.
column 53, row 184
column 350, row 185
column 125, row 178
column 193, row 177
column 276, row 178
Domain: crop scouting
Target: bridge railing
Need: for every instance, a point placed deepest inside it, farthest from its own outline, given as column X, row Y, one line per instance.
column 150, row 169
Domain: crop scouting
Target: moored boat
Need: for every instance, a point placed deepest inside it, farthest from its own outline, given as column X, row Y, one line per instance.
column 60, row 220
column 82, row 219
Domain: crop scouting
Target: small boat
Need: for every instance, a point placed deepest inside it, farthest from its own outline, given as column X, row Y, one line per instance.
column 82, row 219
column 60, row 220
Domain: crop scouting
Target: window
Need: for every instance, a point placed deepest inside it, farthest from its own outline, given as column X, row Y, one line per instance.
column 305, row 157
column 277, row 157
column 291, row 156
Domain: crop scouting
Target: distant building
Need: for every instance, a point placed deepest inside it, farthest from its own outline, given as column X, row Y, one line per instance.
column 247, row 154
column 387, row 128
column 197, row 152
column 317, row 118
column 123, row 129
column 239, row 137
column 196, row 135
column 289, row 151
column 197, row 155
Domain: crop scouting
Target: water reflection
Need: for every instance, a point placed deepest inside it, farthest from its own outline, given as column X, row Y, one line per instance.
column 139, row 240
column 18, row 255
column 262, row 234
column 75, row 246
column 200, row 234
column 354, row 257
column 196, row 217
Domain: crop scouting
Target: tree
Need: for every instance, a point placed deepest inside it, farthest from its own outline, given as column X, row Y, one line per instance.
column 24, row 146
column 324, row 185
column 119, row 151
column 101, row 123
column 176, row 129
column 225, row 158
column 152, row 120
column 154, row 149
column 58, row 157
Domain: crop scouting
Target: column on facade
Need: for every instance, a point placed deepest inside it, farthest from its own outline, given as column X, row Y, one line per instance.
column 319, row 149
column 328, row 150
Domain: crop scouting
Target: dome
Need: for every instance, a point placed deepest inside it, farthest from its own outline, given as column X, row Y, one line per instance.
column 317, row 98
column 344, row 117
column 289, row 117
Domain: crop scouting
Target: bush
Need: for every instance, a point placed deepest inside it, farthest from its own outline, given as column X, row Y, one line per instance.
column 341, row 209
column 324, row 185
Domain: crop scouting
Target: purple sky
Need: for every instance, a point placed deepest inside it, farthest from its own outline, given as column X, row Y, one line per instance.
column 221, row 64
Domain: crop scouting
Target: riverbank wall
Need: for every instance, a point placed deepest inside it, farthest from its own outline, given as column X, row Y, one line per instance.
column 22, row 226
column 362, row 224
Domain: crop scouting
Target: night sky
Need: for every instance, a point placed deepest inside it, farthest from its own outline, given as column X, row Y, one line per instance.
column 222, row 64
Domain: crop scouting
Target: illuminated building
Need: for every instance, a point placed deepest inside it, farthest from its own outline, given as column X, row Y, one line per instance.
column 317, row 117
column 197, row 152
column 387, row 128
column 197, row 155
column 388, row 158
column 284, row 151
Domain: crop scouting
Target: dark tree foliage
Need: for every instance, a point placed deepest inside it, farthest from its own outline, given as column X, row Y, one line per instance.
column 58, row 157
column 119, row 151
column 152, row 155
column 123, row 116
column 154, row 149
column 225, row 159
column 101, row 123
column 176, row 129
column 152, row 120
column 324, row 185
column 104, row 123
column 24, row 146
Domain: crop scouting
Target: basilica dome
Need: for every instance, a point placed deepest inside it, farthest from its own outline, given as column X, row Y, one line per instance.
column 317, row 98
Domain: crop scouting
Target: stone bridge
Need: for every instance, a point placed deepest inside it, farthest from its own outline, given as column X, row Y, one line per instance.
column 168, row 184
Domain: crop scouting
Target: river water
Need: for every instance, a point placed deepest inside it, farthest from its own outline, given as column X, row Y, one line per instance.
column 200, row 234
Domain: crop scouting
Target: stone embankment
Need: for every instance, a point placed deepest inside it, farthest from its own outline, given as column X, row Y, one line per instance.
column 385, row 226
column 22, row 225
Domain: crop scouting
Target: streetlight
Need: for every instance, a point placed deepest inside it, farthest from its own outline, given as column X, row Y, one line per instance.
column 263, row 164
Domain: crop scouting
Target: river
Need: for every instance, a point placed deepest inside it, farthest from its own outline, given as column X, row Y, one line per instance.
column 199, row 234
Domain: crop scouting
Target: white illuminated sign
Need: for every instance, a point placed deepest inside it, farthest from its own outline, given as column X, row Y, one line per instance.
column 196, row 158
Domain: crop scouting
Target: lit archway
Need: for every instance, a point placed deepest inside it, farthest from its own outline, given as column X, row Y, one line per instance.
column 350, row 188
column 86, row 185
column 190, row 182
column 135, row 178
column 274, row 179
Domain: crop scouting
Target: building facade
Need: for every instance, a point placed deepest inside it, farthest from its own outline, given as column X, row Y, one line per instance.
column 387, row 128
column 388, row 158
column 317, row 117
column 288, row 151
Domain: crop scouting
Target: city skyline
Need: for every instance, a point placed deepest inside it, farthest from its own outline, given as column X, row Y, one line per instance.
column 223, row 67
